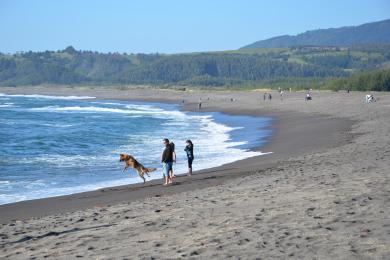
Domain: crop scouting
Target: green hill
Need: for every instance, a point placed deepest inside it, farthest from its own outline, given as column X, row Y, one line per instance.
column 242, row 68
column 369, row 33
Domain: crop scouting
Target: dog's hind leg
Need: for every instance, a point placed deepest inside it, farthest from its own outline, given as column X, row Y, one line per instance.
column 141, row 174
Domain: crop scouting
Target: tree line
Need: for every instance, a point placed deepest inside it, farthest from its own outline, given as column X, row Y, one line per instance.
column 377, row 80
column 210, row 69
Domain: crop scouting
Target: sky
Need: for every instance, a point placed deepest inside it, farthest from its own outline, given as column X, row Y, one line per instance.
column 170, row 26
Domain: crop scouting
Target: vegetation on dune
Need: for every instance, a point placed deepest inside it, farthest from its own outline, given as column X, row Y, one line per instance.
column 297, row 67
column 378, row 80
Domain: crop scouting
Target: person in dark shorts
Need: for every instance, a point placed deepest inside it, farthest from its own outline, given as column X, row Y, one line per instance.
column 171, row 175
column 190, row 155
column 167, row 161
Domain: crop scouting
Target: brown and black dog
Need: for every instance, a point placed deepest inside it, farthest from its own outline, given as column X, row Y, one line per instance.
column 130, row 161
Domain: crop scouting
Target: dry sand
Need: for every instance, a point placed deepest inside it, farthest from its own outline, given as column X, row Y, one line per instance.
column 324, row 193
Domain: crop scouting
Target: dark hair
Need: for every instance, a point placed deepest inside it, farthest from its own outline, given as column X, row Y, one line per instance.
column 190, row 142
column 166, row 140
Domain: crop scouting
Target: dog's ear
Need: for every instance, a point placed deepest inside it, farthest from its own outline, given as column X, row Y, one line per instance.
column 128, row 157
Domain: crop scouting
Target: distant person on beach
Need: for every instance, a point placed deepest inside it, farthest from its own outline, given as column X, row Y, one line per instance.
column 370, row 98
column 269, row 96
column 308, row 96
column 171, row 175
column 190, row 155
column 167, row 161
column 281, row 95
column 200, row 103
column 265, row 96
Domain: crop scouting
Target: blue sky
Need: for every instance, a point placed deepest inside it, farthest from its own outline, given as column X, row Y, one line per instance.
column 170, row 26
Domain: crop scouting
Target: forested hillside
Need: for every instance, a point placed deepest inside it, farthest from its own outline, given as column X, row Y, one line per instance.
column 369, row 33
column 231, row 68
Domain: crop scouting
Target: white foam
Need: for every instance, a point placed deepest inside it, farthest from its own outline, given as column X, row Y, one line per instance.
column 215, row 150
column 80, row 109
column 59, row 125
column 49, row 97
column 148, row 108
column 108, row 103
column 7, row 104
column 60, row 191
column 70, row 160
column 11, row 198
column 144, row 108
column 93, row 109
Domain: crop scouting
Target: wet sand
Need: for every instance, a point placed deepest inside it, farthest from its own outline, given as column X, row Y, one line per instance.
column 323, row 193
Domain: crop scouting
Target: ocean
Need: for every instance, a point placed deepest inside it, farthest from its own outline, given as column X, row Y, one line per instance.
column 59, row 145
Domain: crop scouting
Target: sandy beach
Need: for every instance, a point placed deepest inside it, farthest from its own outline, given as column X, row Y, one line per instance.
column 323, row 193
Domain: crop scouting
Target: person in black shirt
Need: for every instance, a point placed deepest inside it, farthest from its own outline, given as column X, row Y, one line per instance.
column 167, row 161
column 190, row 155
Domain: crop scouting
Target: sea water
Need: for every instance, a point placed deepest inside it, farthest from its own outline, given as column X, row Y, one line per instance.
column 53, row 145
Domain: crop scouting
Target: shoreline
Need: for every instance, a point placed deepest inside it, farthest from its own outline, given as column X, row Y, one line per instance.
column 253, row 132
column 108, row 195
column 322, row 194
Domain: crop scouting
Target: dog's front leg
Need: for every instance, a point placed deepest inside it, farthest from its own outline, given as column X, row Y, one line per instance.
column 124, row 169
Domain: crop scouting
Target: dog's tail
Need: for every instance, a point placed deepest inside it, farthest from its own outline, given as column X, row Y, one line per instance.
column 150, row 169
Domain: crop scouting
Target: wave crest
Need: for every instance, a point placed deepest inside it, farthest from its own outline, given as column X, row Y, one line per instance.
column 48, row 96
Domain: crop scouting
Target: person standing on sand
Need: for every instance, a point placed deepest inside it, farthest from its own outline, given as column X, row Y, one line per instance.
column 190, row 155
column 265, row 96
column 171, row 175
column 167, row 161
column 269, row 96
column 308, row 96
column 200, row 103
